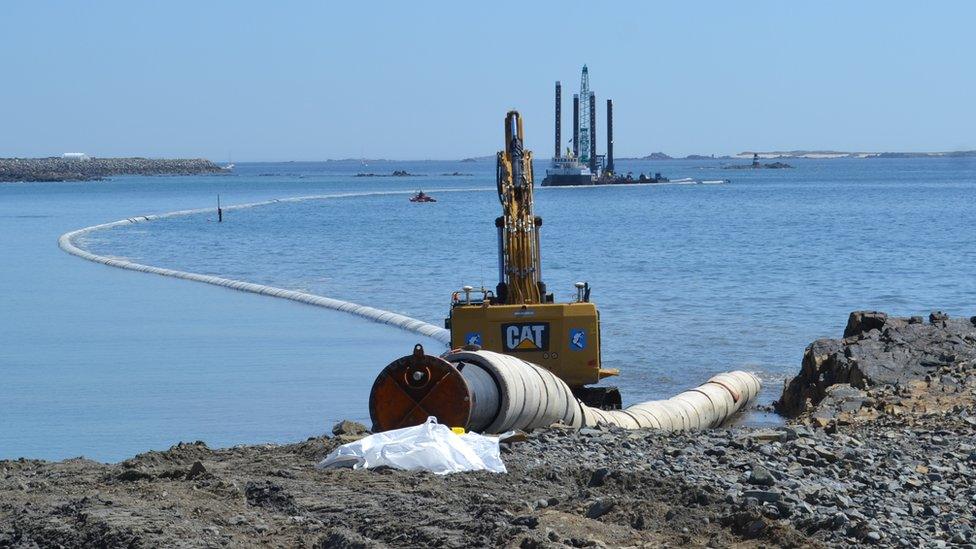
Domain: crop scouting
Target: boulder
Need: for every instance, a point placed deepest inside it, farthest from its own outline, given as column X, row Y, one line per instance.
column 351, row 428
column 760, row 476
column 861, row 322
column 876, row 350
column 841, row 402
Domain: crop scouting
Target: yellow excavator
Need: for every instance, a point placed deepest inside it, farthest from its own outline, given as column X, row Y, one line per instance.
column 520, row 317
column 519, row 360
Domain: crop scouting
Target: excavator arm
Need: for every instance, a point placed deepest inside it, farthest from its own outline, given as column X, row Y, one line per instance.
column 520, row 266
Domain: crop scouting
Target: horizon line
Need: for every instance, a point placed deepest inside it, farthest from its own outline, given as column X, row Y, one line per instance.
column 488, row 156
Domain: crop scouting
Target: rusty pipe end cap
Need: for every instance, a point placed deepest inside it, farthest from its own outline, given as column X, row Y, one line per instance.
column 414, row 387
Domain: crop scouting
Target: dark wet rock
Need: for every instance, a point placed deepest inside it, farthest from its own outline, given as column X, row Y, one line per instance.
column 528, row 521
column 599, row 508
column 749, row 523
column 766, row 496
column 861, row 322
column 346, row 427
column 760, row 476
column 599, row 477
column 876, row 350
column 196, row 470
column 271, row 496
column 132, row 475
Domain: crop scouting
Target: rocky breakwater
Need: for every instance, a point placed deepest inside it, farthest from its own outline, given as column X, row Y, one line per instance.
column 879, row 449
column 396, row 173
column 90, row 169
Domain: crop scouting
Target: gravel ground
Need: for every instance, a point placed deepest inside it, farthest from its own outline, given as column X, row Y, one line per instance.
column 894, row 481
column 891, row 464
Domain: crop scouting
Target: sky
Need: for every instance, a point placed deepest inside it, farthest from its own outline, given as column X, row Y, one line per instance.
column 268, row 81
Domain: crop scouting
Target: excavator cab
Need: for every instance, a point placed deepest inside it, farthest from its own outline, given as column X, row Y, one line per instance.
column 520, row 318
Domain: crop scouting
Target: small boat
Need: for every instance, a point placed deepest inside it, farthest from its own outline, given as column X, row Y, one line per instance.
column 422, row 197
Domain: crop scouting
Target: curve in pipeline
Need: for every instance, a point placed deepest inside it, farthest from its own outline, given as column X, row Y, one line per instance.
column 67, row 243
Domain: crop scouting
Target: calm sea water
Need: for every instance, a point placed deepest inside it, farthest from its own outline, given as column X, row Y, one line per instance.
column 690, row 280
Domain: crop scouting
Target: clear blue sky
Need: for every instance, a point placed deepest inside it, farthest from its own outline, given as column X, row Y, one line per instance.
column 317, row 80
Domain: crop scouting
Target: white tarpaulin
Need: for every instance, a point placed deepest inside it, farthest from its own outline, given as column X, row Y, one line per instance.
column 427, row 447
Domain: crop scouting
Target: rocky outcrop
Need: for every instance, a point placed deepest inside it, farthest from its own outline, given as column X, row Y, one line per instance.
column 877, row 351
column 396, row 173
column 766, row 166
column 90, row 169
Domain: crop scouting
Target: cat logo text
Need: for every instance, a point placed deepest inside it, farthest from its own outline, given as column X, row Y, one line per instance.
column 526, row 337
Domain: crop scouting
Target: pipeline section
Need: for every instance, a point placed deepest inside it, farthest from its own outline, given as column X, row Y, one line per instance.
column 67, row 243
column 505, row 393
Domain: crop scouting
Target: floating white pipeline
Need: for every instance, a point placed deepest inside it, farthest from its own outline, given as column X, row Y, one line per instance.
column 509, row 393
column 67, row 243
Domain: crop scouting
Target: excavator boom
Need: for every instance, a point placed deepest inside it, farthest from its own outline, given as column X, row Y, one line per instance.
column 520, row 266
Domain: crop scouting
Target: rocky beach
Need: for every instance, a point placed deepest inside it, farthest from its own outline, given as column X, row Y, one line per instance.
column 878, row 447
column 92, row 169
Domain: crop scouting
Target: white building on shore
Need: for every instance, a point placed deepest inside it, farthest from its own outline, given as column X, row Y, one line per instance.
column 75, row 156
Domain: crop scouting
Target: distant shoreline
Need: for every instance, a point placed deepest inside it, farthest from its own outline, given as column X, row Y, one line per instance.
column 83, row 168
column 808, row 154
column 62, row 169
column 841, row 154
column 814, row 155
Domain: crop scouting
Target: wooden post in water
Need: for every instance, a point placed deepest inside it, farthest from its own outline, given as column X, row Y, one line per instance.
column 220, row 212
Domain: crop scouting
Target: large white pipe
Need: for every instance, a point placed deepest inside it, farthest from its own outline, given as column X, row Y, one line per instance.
column 510, row 393
column 527, row 396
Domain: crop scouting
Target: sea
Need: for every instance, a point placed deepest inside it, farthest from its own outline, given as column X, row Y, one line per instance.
column 690, row 280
